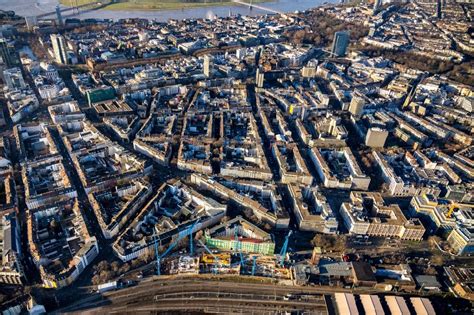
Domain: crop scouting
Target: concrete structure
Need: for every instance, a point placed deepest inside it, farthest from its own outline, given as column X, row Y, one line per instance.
column 60, row 243
column 21, row 103
column 338, row 168
column 312, row 211
column 356, row 107
column 251, row 239
column 65, row 112
column 14, row 79
column 443, row 217
column 11, row 269
column 155, row 137
column 115, row 206
column 163, row 216
column 376, row 137
column 292, row 167
column 46, row 182
column 248, row 195
column 461, row 240
column 405, row 176
column 243, row 155
column 377, row 4
column 208, row 66
column 59, row 48
column 8, row 53
column 340, row 43
column 367, row 214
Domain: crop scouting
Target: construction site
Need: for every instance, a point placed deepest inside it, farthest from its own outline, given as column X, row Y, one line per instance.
column 236, row 247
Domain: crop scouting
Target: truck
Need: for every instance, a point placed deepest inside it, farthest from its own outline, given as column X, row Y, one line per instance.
column 101, row 288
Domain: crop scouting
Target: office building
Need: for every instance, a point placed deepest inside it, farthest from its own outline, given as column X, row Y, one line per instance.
column 14, row 79
column 377, row 4
column 259, row 77
column 461, row 240
column 340, row 43
column 338, row 168
column 59, row 48
column 376, row 137
column 11, row 269
column 8, row 53
column 208, row 66
column 367, row 213
column 439, row 13
column 356, row 106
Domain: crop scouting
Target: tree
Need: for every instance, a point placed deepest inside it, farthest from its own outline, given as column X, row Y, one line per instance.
column 96, row 279
column 124, row 268
column 101, row 266
column 329, row 242
column 106, row 276
column 323, row 240
column 136, row 262
column 115, row 267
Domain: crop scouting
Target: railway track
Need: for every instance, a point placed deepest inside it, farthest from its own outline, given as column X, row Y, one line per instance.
column 185, row 294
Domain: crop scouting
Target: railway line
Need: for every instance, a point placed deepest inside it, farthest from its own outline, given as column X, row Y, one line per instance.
column 193, row 295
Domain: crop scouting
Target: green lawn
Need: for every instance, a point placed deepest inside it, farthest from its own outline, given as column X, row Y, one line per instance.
column 156, row 4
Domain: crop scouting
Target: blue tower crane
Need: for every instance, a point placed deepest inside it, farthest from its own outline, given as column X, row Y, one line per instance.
column 285, row 248
column 155, row 243
column 239, row 247
column 182, row 234
column 191, row 229
column 254, row 265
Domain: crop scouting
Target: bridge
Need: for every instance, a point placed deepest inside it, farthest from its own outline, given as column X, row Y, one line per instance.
column 87, row 6
column 256, row 6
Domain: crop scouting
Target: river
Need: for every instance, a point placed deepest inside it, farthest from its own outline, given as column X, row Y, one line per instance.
column 36, row 7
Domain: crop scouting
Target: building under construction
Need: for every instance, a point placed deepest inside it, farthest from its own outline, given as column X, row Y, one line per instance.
column 240, row 235
column 219, row 263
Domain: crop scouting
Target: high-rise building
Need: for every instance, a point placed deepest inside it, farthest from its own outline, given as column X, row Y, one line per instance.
column 259, row 78
column 14, row 79
column 377, row 4
column 58, row 15
column 356, row 106
column 439, row 13
column 376, row 137
column 208, row 65
column 59, row 48
column 309, row 71
column 340, row 43
column 241, row 53
column 8, row 53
